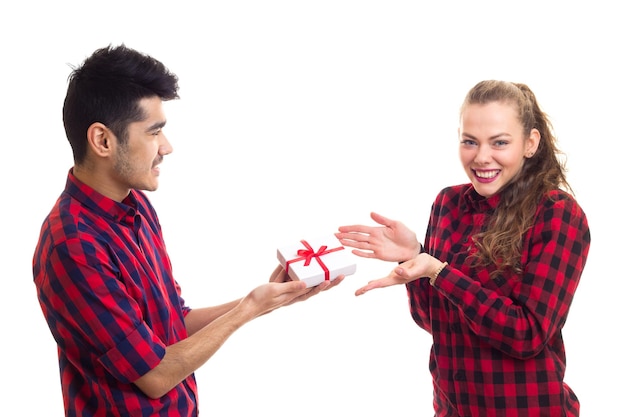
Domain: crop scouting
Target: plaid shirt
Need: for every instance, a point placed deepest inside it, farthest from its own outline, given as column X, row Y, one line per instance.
column 104, row 282
column 497, row 346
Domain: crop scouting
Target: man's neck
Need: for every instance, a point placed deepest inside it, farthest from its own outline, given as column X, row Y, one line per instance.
column 101, row 181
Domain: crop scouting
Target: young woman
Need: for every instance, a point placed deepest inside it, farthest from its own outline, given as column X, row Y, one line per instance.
column 501, row 260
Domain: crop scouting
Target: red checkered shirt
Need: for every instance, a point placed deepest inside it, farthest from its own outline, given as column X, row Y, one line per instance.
column 497, row 345
column 105, row 286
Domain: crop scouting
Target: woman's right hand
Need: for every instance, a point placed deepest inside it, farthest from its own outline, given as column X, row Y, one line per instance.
column 392, row 241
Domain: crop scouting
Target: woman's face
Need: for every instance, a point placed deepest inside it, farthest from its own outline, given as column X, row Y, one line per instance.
column 493, row 146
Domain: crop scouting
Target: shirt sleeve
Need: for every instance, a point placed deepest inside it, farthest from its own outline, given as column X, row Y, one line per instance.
column 91, row 314
column 523, row 322
column 419, row 290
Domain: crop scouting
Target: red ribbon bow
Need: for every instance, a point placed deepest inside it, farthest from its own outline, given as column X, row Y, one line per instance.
column 308, row 254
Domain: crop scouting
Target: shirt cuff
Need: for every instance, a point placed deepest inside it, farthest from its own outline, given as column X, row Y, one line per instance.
column 134, row 356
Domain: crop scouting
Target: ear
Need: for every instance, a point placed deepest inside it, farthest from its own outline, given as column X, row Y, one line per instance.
column 532, row 143
column 100, row 139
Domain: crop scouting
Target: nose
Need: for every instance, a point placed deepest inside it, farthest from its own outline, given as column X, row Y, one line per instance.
column 483, row 155
column 165, row 147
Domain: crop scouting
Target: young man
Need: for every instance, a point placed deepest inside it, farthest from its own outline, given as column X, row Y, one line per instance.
column 128, row 344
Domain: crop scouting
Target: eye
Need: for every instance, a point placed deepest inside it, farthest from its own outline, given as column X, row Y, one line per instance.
column 500, row 143
column 468, row 142
column 156, row 132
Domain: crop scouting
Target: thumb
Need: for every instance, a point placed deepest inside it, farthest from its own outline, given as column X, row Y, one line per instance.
column 380, row 219
column 293, row 286
column 409, row 271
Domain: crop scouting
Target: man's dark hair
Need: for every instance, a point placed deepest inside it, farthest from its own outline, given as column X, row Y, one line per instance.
column 107, row 88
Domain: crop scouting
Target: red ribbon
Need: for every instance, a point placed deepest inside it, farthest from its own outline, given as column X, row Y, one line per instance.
column 308, row 254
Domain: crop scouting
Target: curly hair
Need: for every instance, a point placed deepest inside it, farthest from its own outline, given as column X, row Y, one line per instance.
column 501, row 242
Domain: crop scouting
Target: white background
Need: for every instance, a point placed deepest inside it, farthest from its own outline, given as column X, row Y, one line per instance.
column 297, row 117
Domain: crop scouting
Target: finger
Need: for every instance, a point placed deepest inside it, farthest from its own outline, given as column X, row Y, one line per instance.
column 356, row 240
column 356, row 230
column 336, row 281
column 379, row 283
column 363, row 254
column 307, row 293
column 323, row 286
column 364, row 289
column 361, row 291
column 380, row 219
column 330, row 284
column 354, row 244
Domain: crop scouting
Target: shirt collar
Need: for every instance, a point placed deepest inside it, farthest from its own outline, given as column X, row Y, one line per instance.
column 98, row 203
column 477, row 203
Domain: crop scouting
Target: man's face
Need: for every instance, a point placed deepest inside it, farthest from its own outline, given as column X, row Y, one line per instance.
column 136, row 162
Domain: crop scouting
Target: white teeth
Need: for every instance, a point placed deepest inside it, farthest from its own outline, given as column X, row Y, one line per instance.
column 486, row 174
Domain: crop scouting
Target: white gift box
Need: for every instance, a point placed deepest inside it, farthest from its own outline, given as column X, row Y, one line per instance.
column 316, row 260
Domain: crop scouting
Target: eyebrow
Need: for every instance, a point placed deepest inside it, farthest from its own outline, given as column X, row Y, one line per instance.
column 156, row 126
column 497, row 136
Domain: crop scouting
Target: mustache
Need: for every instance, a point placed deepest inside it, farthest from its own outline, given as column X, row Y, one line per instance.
column 157, row 161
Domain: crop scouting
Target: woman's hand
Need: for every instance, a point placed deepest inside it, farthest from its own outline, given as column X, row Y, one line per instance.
column 392, row 241
column 423, row 265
